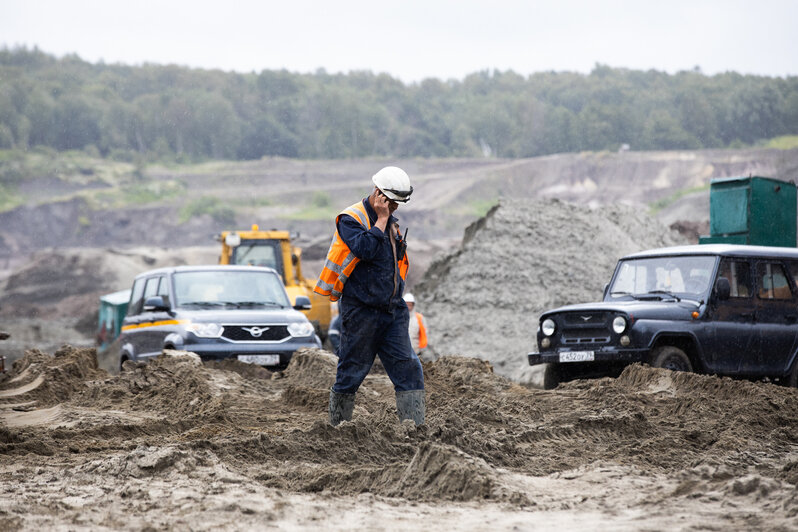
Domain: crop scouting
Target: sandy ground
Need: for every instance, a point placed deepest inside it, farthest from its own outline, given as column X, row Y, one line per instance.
column 181, row 445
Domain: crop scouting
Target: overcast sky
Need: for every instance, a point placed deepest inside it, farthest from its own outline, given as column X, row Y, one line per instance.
column 416, row 39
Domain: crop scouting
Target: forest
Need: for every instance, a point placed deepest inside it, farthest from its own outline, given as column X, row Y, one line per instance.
column 170, row 112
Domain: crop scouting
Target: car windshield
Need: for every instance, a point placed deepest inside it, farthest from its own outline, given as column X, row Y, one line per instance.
column 663, row 278
column 240, row 289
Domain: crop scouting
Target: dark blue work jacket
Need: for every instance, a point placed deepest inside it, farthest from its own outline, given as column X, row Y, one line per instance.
column 372, row 281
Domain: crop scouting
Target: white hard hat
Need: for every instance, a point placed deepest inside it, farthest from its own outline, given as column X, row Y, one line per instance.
column 408, row 297
column 394, row 183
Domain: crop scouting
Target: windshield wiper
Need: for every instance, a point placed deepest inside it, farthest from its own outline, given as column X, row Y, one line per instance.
column 203, row 304
column 665, row 293
column 622, row 293
column 254, row 303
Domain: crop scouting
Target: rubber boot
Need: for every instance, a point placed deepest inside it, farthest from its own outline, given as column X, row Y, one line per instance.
column 341, row 406
column 411, row 405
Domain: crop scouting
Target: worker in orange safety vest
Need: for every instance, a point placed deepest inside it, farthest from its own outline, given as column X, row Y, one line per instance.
column 365, row 269
column 417, row 326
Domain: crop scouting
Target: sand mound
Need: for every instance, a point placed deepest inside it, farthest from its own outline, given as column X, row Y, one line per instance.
column 312, row 368
column 484, row 299
column 453, row 376
column 175, row 385
column 43, row 380
column 434, row 472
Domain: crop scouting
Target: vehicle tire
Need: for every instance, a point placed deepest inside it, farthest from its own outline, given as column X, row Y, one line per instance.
column 122, row 363
column 672, row 358
column 551, row 376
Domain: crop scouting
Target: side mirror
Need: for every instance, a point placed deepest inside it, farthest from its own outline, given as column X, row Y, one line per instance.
column 723, row 288
column 155, row 304
column 302, row 303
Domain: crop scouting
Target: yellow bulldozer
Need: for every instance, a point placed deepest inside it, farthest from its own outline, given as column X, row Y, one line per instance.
column 274, row 249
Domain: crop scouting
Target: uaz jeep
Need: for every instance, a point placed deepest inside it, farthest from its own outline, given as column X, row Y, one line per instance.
column 717, row 309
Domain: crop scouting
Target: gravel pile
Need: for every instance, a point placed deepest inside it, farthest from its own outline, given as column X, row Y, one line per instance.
column 524, row 257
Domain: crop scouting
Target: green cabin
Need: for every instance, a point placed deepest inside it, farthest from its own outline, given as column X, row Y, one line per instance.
column 759, row 211
column 113, row 308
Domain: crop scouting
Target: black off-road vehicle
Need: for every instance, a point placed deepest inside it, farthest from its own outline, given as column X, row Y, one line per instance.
column 717, row 309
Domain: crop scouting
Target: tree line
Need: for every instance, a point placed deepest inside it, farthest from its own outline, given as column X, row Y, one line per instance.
column 164, row 111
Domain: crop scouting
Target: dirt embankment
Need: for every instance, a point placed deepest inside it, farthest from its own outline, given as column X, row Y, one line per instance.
column 445, row 190
column 180, row 444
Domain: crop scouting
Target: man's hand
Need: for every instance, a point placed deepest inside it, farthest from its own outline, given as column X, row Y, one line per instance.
column 382, row 208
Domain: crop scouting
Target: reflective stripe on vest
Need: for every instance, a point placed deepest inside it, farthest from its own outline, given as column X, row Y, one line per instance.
column 341, row 261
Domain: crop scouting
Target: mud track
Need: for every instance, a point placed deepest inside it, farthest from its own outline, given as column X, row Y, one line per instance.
column 179, row 444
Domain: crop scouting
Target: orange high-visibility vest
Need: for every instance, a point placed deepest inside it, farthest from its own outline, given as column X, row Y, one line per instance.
column 422, row 331
column 341, row 261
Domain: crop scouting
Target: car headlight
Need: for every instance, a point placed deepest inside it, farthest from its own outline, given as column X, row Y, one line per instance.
column 619, row 324
column 547, row 327
column 205, row 330
column 300, row 329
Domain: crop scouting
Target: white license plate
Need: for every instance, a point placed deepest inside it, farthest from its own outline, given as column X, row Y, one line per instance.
column 577, row 356
column 263, row 360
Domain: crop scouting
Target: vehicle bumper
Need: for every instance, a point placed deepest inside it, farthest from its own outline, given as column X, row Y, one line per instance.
column 607, row 355
column 213, row 351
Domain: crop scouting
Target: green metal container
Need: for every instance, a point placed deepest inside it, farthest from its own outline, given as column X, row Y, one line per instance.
column 758, row 211
column 113, row 308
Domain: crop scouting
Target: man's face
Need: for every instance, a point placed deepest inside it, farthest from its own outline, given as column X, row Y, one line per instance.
column 410, row 305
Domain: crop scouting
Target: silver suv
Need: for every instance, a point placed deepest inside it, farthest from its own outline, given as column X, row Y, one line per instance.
column 217, row 312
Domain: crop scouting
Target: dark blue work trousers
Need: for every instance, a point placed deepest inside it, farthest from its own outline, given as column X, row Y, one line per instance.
column 367, row 332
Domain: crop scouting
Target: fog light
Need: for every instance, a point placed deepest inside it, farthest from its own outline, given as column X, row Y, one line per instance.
column 545, row 343
column 625, row 340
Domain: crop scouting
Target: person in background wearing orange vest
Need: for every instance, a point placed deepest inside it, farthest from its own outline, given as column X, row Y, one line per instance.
column 366, row 268
column 417, row 327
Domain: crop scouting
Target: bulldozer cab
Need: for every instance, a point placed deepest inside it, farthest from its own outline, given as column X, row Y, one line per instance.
column 259, row 253
column 260, row 248
column 274, row 250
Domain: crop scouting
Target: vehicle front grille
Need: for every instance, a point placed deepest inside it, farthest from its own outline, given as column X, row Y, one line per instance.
column 585, row 328
column 585, row 340
column 255, row 333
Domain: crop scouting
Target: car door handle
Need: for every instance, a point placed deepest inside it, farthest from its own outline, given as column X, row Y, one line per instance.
column 747, row 315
